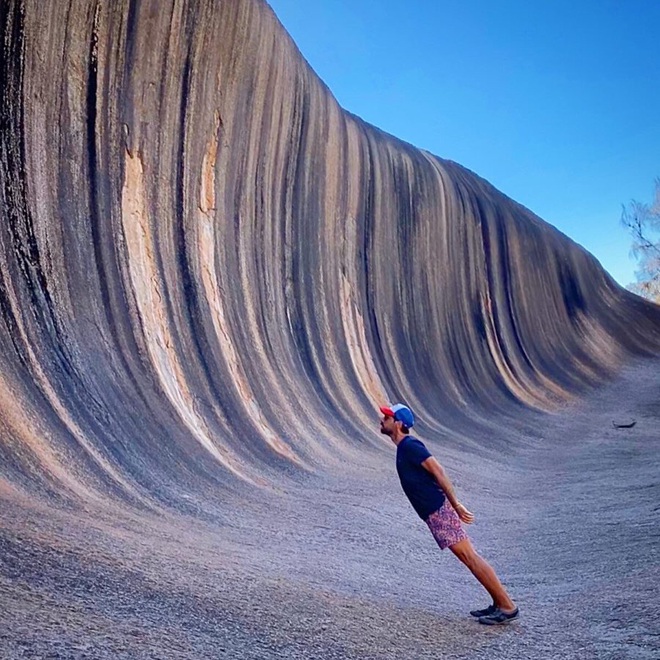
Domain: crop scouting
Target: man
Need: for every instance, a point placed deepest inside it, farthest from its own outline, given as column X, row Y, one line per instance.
column 431, row 494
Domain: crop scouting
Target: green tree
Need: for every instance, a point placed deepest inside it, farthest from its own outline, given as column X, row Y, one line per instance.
column 643, row 223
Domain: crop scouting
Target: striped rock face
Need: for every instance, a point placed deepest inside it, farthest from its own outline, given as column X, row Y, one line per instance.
column 213, row 275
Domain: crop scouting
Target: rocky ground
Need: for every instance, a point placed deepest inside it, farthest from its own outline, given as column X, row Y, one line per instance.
column 338, row 566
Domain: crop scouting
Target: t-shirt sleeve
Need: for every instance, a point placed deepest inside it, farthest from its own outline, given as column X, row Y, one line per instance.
column 417, row 452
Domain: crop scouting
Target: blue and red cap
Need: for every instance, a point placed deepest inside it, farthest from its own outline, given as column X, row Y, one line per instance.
column 400, row 413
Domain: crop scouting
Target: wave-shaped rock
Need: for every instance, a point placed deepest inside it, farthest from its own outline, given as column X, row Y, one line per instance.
column 211, row 274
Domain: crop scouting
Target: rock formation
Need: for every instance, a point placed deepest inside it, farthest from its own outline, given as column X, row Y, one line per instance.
column 212, row 274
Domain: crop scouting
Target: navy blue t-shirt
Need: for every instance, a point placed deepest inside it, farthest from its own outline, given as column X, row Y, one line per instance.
column 418, row 484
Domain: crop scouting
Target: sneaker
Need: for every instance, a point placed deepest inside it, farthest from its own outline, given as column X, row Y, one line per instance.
column 491, row 609
column 498, row 617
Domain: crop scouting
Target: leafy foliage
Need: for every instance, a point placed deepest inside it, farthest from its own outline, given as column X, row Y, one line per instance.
column 643, row 222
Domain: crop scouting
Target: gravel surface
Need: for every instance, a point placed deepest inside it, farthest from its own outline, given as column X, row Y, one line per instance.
column 338, row 566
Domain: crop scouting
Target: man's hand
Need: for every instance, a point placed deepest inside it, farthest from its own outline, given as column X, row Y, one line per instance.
column 464, row 514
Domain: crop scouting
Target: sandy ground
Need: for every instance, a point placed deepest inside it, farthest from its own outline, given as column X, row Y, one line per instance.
column 340, row 567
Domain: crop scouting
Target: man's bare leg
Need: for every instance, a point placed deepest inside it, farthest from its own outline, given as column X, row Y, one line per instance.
column 484, row 572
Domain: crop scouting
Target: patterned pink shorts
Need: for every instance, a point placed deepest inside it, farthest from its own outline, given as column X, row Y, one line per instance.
column 445, row 525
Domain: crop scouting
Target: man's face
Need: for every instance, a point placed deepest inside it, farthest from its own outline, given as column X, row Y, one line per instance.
column 387, row 425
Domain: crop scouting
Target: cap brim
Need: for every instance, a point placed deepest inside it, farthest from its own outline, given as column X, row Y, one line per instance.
column 387, row 411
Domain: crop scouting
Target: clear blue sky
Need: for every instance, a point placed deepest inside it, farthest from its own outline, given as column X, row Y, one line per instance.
column 555, row 102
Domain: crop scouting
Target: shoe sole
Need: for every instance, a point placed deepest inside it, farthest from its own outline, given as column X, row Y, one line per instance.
column 497, row 623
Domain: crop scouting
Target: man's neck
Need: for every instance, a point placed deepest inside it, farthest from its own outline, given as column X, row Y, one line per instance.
column 398, row 438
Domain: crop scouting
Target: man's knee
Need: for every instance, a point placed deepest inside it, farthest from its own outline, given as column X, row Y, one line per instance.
column 465, row 552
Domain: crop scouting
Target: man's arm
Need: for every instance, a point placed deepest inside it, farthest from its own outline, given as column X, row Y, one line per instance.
column 437, row 472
